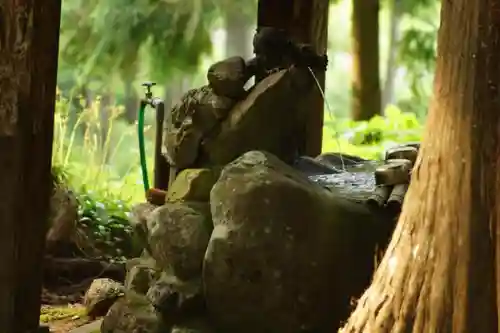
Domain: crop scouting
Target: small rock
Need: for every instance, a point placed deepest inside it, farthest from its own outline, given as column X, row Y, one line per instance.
column 141, row 274
column 228, row 77
column 181, row 144
column 138, row 219
column 210, row 109
column 177, row 300
column 101, row 295
column 194, row 117
column 179, row 234
column 132, row 314
column 193, row 185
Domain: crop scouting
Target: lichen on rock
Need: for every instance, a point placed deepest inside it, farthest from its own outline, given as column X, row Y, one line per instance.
column 178, row 237
column 101, row 295
column 193, row 185
column 131, row 314
column 141, row 274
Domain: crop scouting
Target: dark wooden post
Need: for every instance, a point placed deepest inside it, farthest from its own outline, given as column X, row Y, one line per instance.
column 306, row 21
column 29, row 38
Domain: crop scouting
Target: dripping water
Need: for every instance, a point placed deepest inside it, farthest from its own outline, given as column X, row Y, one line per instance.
column 330, row 112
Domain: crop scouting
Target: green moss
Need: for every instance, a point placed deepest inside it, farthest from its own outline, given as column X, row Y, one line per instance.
column 193, row 185
column 53, row 313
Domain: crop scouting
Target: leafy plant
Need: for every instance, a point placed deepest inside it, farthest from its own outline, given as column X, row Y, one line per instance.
column 370, row 139
column 99, row 165
column 107, row 223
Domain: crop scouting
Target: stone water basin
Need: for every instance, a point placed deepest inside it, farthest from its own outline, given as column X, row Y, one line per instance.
column 355, row 182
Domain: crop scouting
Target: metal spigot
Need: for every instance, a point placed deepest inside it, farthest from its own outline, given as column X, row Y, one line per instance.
column 148, row 85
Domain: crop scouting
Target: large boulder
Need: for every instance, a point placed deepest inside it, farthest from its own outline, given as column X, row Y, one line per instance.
column 141, row 274
column 228, row 77
column 178, row 237
column 285, row 255
column 267, row 119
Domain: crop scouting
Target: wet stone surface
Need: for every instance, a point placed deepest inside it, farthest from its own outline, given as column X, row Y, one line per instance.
column 356, row 182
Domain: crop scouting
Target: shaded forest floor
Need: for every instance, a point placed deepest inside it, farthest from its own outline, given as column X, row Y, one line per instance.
column 65, row 282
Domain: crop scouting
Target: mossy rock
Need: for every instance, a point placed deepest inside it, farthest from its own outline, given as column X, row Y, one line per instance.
column 132, row 313
column 285, row 254
column 50, row 314
column 178, row 237
column 193, row 185
column 141, row 274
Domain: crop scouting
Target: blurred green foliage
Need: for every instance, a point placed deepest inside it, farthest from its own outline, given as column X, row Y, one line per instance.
column 370, row 139
column 100, row 38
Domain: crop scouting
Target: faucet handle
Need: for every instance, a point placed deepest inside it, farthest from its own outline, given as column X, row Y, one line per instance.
column 148, row 85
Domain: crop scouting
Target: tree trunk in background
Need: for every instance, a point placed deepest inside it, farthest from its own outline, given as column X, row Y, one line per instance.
column 28, row 73
column 392, row 66
column 173, row 93
column 105, row 117
column 441, row 270
column 366, row 96
column 78, row 103
column 131, row 102
column 238, row 32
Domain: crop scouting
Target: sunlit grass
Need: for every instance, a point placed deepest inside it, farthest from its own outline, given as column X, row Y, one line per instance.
column 98, row 154
column 52, row 313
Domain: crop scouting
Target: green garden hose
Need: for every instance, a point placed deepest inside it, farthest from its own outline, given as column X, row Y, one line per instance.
column 142, row 148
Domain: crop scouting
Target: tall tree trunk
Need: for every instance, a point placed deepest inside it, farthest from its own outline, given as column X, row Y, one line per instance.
column 366, row 96
column 238, row 32
column 131, row 95
column 28, row 73
column 104, row 121
column 392, row 66
column 79, row 102
column 173, row 93
column 441, row 270
column 131, row 102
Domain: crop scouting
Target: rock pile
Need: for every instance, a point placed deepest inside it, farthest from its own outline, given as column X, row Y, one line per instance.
column 247, row 240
